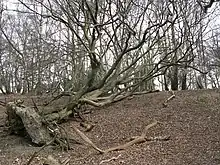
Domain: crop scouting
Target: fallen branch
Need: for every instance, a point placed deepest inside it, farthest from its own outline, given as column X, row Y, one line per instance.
column 138, row 139
column 165, row 104
column 135, row 140
column 87, row 140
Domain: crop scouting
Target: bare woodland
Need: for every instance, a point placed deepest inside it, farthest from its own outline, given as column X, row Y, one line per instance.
column 100, row 52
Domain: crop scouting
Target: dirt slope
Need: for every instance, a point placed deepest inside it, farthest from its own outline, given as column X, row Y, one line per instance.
column 191, row 119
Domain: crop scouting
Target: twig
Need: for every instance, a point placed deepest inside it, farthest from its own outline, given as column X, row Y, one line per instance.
column 65, row 161
column 148, row 127
column 3, row 103
column 158, row 138
column 108, row 160
column 37, row 152
column 170, row 98
column 66, row 136
column 139, row 139
column 57, row 97
column 35, row 105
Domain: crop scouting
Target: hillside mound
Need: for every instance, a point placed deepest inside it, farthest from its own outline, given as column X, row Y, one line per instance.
column 191, row 120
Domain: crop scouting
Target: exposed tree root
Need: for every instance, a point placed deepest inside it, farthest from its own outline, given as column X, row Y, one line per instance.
column 23, row 119
column 145, row 92
column 94, row 98
column 46, row 133
column 135, row 140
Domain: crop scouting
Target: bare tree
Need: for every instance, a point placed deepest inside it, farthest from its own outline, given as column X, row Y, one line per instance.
column 100, row 52
column 113, row 47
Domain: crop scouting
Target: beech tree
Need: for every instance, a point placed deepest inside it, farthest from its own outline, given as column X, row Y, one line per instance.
column 112, row 49
column 100, row 52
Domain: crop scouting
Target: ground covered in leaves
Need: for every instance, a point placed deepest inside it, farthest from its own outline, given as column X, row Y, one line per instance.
column 191, row 120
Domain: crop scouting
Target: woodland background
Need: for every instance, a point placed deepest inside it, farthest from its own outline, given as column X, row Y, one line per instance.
column 108, row 49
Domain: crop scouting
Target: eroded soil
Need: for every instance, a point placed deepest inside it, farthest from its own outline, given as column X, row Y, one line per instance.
column 191, row 119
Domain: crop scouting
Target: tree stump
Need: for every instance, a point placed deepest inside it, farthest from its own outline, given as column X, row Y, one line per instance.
column 23, row 120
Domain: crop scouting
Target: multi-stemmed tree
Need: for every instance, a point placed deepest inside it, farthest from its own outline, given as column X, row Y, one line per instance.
column 100, row 52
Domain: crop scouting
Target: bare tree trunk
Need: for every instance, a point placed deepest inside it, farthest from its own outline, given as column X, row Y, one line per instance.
column 174, row 73
column 165, row 83
column 184, row 80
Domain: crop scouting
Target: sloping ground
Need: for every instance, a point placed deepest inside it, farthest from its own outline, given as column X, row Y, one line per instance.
column 191, row 119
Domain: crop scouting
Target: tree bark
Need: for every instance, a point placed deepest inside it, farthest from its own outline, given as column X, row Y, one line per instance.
column 23, row 120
